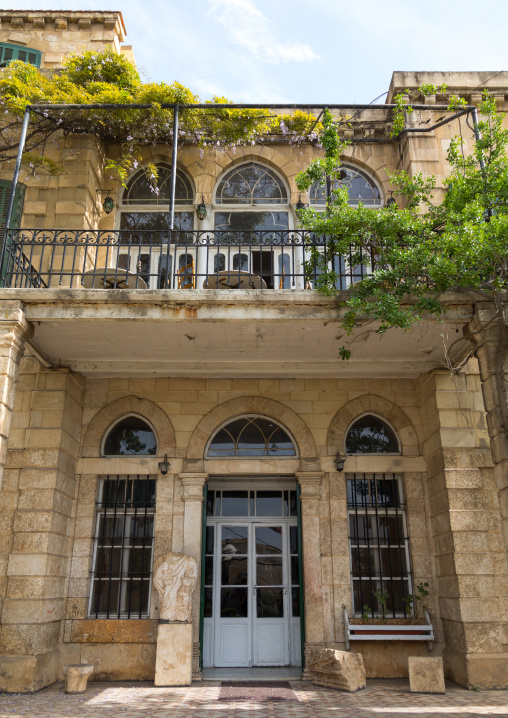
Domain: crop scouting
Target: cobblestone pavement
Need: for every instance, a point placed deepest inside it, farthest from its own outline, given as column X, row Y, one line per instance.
column 381, row 699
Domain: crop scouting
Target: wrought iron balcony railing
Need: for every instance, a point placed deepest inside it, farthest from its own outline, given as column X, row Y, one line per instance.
column 141, row 259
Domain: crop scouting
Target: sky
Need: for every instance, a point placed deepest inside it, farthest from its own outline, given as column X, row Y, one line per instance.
column 317, row 51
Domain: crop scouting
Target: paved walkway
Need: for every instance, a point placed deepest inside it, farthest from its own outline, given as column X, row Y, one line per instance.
column 381, row 699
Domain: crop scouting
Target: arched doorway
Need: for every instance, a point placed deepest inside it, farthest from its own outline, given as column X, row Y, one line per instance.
column 252, row 599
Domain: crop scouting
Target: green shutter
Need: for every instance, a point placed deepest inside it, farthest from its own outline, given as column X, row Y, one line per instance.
column 17, row 52
column 202, row 586
column 17, row 211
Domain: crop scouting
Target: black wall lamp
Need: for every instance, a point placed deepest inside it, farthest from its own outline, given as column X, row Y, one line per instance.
column 164, row 465
column 300, row 204
column 109, row 203
column 201, row 209
column 339, row 462
column 390, row 201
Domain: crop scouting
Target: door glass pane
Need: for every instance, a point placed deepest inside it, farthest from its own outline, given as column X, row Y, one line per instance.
column 235, row 503
column 269, row 571
column 268, row 540
column 293, row 539
column 208, row 603
column 270, row 602
column 210, row 534
column 295, row 600
column 294, row 571
column 269, row 503
column 234, row 602
column 209, row 570
column 234, row 571
column 234, row 540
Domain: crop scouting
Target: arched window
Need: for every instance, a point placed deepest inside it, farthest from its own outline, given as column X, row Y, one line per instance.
column 131, row 436
column 251, row 184
column 251, row 436
column 371, row 435
column 360, row 188
column 139, row 190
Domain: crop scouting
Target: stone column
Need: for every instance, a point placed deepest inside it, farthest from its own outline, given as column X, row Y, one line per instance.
column 486, row 331
column 310, row 495
column 193, row 484
column 14, row 330
column 464, row 517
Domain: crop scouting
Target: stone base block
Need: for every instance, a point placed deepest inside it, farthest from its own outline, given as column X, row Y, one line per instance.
column 27, row 674
column 76, row 677
column 338, row 669
column 426, row 675
column 173, row 661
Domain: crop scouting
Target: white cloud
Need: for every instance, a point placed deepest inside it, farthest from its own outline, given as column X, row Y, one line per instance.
column 248, row 27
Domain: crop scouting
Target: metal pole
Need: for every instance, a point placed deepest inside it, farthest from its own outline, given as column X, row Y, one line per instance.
column 173, row 169
column 21, row 147
column 15, row 177
column 477, row 135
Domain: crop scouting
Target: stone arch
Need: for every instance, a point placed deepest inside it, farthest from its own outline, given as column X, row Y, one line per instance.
column 146, row 409
column 385, row 409
column 251, row 405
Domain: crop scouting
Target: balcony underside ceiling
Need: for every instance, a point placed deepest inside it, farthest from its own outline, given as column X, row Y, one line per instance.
column 240, row 333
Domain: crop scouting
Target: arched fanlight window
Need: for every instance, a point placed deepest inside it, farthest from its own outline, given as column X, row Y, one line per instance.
column 371, row 435
column 139, row 190
column 131, row 436
column 360, row 188
column 251, row 184
column 251, row 436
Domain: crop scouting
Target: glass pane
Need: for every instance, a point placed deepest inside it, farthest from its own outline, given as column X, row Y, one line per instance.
column 108, row 561
column 358, row 492
column 295, row 600
column 251, row 184
column 234, row 571
column 269, row 571
column 235, row 503
column 210, row 504
column 387, row 493
column 268, row 540
column 251, row 436
column 250, row 222
column 208, row 612
column 143, row 493
column 241, row 262
column 209, row 570
column 105, row 593
column 280, row 443
column 234, row 602
column 140, row 559
column 390, row 528
column 222, row 444
column 156, row 222
column 293, row 539
column 131, row 436
column 135, row 597
column 210, row 539
column 365, row 561
column 295, row 580
column 252, row 439
column 113, row 492
column 293, row 511
column 139, row 189
column 393, row 562
column 109, row 528
column 269, row 503
column 370, row 435
column 361, row 528
column 359, row 186
column 234, row 540
column 270, row 602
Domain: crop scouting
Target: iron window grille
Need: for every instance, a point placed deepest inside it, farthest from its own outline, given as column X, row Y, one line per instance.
column 123, row 547
column 378, row 544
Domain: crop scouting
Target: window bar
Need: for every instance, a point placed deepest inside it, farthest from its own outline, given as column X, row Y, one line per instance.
column 98, row 550
column 381, row 579
column 130, row 561
column 85, row 255
column 366, row 501
column 96, row 259
column 63, row 259
column 52, row 256
column 356, row 538
column 124, row 558
column 32, row 247
column 142, row 578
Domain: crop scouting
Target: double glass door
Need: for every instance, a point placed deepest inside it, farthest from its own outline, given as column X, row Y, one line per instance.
column 252, row 573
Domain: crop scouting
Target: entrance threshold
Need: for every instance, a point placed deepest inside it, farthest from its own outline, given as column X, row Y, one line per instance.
column 270, row 673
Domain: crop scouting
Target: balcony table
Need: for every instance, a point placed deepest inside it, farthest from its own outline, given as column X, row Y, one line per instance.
column 112, row 278
column 234, row 279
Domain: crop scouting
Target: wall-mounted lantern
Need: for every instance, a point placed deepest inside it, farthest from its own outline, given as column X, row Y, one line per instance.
column 109, row 203
column 164, row 465
column 339, row 462
column 201, row 209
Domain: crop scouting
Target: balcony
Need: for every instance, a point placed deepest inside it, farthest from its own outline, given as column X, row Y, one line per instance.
column 177, row 260
column 204, row 304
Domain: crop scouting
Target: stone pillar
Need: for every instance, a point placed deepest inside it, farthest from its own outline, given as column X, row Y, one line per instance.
column 310, row 494
column 193, row 484
column 464, row 518
column 486, row 331
column 45, row 453
column 14, row 330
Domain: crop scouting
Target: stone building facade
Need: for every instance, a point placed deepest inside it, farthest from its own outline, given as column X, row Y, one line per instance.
column 167, row 416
